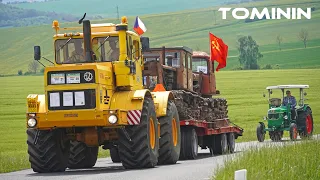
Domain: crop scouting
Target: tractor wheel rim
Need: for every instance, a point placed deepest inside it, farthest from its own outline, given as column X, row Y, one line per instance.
column 174, row 132
column 309, row 124
column 152, row 133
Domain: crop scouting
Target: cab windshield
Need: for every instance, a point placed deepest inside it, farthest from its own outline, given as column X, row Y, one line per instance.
column 71, row 51
column 106, row 48
column 200, row 64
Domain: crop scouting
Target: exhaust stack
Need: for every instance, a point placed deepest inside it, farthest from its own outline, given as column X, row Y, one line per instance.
column 87, row 40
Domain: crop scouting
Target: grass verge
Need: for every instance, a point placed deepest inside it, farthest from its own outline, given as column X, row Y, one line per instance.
column 296, row 161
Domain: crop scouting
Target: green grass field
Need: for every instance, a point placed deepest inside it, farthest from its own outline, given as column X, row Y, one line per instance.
column 299, row 161
column 189, row 28
column 243, row 89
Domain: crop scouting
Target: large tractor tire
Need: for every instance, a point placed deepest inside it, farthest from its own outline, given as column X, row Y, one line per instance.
column 170, row 137
column 231, row 142
column 305, row 120
column 189, row 143
column 260, row 132
column 82, row 156
column 48, row 150
column 220, row 144
column 293, row 132
column 114, row 154
column 139, row 144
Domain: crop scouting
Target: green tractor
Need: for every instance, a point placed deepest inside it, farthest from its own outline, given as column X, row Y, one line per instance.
column 290, row 115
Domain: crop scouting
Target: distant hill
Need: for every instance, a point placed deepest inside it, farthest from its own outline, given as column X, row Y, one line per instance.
column 190, row 28
column 14, row 17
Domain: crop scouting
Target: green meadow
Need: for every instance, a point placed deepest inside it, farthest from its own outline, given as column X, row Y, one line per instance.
column 189, row 28
column 243, row 90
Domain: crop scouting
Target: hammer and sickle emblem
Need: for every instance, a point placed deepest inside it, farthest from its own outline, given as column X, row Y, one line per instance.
column 215, row 45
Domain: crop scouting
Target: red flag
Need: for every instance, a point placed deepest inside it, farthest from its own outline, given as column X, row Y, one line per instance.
column 219, row 51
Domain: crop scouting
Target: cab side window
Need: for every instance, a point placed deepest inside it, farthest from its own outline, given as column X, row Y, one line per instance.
column 135, row 50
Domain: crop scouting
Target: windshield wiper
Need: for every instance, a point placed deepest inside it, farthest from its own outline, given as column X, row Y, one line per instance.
column 64, row 44
column 105, row 40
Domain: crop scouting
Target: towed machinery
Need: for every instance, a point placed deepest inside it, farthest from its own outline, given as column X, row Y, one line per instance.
column 191, row 79
column 94, row 96
column 284, row 117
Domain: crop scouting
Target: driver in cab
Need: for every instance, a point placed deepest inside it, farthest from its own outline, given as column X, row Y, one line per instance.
column 292, row 100
column 78, row 54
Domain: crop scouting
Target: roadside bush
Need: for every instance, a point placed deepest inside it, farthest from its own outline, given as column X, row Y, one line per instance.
column 27, row 73
column 20, row 73
column 268, row 66
column 237, row 68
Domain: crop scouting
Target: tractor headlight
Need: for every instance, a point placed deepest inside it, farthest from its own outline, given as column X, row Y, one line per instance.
column 32, row 122
column 112, row 119
column 285, row 117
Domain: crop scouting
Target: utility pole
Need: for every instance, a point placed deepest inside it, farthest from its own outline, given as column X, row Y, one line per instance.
column 118, row 13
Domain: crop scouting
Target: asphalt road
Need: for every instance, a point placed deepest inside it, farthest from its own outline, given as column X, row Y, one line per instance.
column 199, row 169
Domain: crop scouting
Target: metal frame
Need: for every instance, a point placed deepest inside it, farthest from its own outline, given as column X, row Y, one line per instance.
column 283, row 87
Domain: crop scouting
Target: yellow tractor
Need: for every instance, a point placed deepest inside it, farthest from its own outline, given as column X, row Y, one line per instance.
column 94, row 96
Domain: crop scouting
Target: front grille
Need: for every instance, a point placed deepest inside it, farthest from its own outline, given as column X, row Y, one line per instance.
column 75, row 99
column 273, row 116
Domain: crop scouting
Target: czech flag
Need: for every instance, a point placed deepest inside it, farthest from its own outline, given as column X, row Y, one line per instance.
column 139, row 27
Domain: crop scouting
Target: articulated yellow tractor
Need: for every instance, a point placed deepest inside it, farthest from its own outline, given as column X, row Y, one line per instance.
column 93, row 97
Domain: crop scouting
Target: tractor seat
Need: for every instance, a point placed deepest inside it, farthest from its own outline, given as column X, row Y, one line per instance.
column 275, row 102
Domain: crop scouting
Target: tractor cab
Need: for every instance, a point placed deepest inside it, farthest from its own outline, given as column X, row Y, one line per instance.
column 204, row 80
column 286, row 113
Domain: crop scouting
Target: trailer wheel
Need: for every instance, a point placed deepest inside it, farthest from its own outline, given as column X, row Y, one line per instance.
column 170, row 138
column 293, row 131
column 306, row 120
column 48, row 150
column 220, row 145
column 260, row 132
column 139, row 144
column 82, row 156
column 189, row 143
column 231, row 142
column 114, row 154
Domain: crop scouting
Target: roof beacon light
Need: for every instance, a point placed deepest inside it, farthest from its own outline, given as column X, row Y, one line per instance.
column 55, row 26
column 124, row 20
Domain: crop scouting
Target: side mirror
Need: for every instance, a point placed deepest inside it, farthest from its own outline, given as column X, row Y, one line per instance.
column 145, row 43
column 37, row 53
column 305, row 93
column 270, row 91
